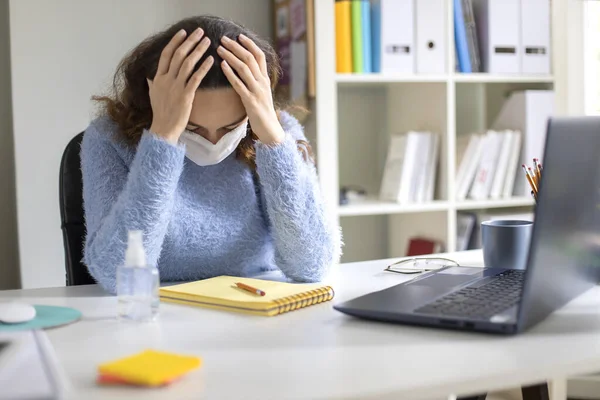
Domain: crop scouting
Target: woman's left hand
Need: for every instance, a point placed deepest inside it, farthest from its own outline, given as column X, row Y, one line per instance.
column 254, row 87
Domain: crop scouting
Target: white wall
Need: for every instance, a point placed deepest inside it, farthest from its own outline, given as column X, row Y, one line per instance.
column 9, row 268
column 62, row 52
column 568, row 63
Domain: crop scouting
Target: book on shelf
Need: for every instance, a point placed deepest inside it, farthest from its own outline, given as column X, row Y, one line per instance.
column 502, row 165
column 465, row 228
column 357, row 35
column 396, row 46
column 465, row 36
column 410, row 170
column 471, row 33
column 375, row 14
column 343, row 36
column 487, row 164
column 430, row 30
column 469, row 148
column 381, row 36
column 513, row 162
column 419, row 178
column 366, row 37
column 421, row 246
column 502, row 36
column 527, row 112
column 434, row 151
column 460, row 38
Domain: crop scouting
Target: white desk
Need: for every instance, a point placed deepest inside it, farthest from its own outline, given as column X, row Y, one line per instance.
column 319, row 353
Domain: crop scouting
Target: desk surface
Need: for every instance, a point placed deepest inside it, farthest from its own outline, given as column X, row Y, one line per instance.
column 317, row 352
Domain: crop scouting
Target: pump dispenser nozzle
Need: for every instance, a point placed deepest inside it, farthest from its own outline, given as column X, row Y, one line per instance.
column 135, row 256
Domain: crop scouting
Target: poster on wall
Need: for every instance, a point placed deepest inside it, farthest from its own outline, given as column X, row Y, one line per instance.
column 294, row 43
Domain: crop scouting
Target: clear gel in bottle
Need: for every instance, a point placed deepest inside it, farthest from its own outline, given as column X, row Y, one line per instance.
column 137, row 283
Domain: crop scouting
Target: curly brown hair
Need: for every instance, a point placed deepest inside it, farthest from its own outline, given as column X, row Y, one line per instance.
column 128, row 102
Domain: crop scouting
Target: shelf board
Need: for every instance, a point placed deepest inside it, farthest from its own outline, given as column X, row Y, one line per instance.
column 490, row 78
column 362, row 79
column 501, row 203
column 359, row 79
column 376, row 207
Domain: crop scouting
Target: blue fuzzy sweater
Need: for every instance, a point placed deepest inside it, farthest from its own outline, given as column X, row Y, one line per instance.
column 200, row 222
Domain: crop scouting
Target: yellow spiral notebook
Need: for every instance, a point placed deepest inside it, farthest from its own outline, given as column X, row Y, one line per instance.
column 222, row 293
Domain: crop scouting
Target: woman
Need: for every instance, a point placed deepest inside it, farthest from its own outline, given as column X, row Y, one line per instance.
column 192, row 151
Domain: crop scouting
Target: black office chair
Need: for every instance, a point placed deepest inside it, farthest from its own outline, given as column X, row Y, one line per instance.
column 71, row 214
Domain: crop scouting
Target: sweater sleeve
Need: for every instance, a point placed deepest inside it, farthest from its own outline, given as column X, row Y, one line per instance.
column 306, row 241
column 118, row 198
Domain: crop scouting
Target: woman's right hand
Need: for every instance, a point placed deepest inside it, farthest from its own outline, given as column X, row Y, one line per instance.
column 173, row 88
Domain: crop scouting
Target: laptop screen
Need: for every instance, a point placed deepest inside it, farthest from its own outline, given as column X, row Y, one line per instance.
column 564, row 257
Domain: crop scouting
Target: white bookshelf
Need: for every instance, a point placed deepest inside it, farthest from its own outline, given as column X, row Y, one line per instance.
column 362, row 79
column 501, row 203
column 487, row 78
column 356, row 114
column 373, row 206
column 377, row 207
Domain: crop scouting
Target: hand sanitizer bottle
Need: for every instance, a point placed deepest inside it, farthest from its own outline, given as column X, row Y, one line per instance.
column 137, row 283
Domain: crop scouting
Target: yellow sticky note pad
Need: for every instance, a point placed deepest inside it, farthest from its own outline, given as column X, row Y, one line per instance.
column 150, row 367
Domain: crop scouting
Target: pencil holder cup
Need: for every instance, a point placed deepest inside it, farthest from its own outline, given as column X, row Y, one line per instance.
column 506, row 243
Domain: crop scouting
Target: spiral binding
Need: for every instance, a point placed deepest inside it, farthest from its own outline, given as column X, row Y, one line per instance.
column 294, row 302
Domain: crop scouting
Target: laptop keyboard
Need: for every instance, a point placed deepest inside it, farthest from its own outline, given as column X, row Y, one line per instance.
column 482, row 302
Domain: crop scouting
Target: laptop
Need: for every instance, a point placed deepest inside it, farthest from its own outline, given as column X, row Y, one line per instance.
column 563, row 258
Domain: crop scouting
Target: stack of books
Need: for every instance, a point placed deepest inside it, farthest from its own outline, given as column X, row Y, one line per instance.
column 410, row 170
column 503, row 37
column 409, row 36
column 488, row 164
column 354, row 36
column 527, row 112
column 390, row 36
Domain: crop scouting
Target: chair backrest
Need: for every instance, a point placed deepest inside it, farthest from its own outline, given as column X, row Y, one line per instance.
column 71, row 213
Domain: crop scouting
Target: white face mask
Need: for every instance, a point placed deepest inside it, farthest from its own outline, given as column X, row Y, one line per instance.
column 202, row 152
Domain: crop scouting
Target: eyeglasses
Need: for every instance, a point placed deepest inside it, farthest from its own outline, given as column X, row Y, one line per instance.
column 418, row 265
